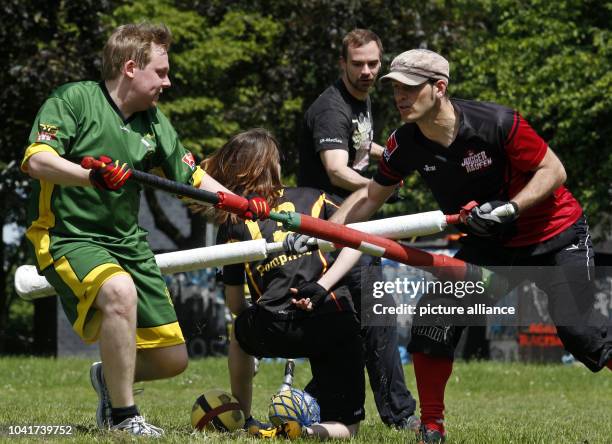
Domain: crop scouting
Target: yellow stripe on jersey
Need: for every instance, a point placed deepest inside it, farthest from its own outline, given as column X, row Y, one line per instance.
column 323, row 262
column 86, row 292
column 249, row 273
column 160, row 336
column 33, row 149
column 253, row 228
column 331, row 203
column 38, row 231
column 196, row 177
column 315, row 211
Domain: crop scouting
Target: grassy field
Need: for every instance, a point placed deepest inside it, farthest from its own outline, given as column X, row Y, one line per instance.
column 486, row 402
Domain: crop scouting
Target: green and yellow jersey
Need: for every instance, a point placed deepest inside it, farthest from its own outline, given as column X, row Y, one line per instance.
column 80, row 119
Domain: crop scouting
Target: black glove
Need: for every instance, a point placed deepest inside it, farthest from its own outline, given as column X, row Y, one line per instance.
column 296, row 243
column 492, row 218
column 313, row 291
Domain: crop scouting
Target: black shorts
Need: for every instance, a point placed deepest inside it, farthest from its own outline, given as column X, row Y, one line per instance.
column 562, row 267
column 332, row 344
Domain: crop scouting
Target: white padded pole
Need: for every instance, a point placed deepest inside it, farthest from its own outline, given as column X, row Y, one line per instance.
column 400, row 227
column 30, row 285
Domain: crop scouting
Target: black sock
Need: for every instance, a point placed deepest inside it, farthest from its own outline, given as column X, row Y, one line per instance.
column 120, row 414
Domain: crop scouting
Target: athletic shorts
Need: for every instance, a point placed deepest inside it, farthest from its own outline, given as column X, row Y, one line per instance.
column 562, row 267
column 83, row 267
column 332, row 344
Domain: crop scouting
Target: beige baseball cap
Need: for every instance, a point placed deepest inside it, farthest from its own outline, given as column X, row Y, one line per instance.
column 417, row 66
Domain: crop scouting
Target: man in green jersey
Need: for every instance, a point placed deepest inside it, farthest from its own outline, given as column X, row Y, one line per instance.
column 86, row 239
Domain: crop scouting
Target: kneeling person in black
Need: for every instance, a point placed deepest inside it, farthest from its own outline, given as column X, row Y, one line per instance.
column 274, row 326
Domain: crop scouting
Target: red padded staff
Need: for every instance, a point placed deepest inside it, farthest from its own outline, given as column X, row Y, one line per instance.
column 445, row 266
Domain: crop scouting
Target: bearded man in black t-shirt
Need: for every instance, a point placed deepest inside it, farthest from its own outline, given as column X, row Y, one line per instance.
column 336, row 145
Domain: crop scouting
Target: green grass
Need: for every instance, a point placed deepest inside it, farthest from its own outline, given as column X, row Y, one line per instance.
column 486, row 402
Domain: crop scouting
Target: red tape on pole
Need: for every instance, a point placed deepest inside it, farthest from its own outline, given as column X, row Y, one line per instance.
column 388, row 248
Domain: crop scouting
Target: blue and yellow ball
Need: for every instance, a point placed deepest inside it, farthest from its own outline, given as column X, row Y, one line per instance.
column 294, row 405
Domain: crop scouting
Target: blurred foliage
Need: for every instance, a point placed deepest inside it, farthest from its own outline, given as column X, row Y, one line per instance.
column 216, row 90
column 247, row 63
column 42, row 45
column 551, row 61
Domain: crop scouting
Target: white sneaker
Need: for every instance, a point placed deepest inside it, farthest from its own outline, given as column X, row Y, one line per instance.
column 103, row 412
column 137, row 426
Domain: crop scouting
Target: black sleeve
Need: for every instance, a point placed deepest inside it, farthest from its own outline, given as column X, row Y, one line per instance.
column 330, row 130
column 329, row 207
column 232, row 274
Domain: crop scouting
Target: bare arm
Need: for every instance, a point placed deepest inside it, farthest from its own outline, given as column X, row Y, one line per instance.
column 376, row 151
column 363, row 203
column 208, row 183
column 359, row 206
column 547, row 177
column 345, row 261
column 52, row 168
column 234, row 299
column 341, row 175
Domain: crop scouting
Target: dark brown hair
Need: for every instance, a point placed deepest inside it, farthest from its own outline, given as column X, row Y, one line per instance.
column 132, row 42
column 359, row 37
column 248, row 164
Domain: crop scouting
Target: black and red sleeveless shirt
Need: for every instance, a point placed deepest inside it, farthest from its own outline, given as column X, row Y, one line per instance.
column 492, row 157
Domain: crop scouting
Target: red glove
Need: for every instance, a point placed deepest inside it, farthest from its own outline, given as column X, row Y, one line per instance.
column 111, row 176
column 258, row 209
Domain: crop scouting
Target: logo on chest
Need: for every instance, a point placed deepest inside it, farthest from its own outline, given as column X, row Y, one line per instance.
column 46, row 132
column 189, row 160
column 391, row 146
column 476, row 161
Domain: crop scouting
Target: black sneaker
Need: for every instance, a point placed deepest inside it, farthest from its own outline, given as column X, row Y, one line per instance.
column 606, row 356
column 411, row 423
column 252, row 424
column 287, row 430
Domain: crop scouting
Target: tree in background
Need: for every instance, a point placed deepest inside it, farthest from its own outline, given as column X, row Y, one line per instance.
column 42, row 45
column 246, row 63
column 551, row 61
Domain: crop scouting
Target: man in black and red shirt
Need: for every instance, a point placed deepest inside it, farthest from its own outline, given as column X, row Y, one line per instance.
column 519, row 214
